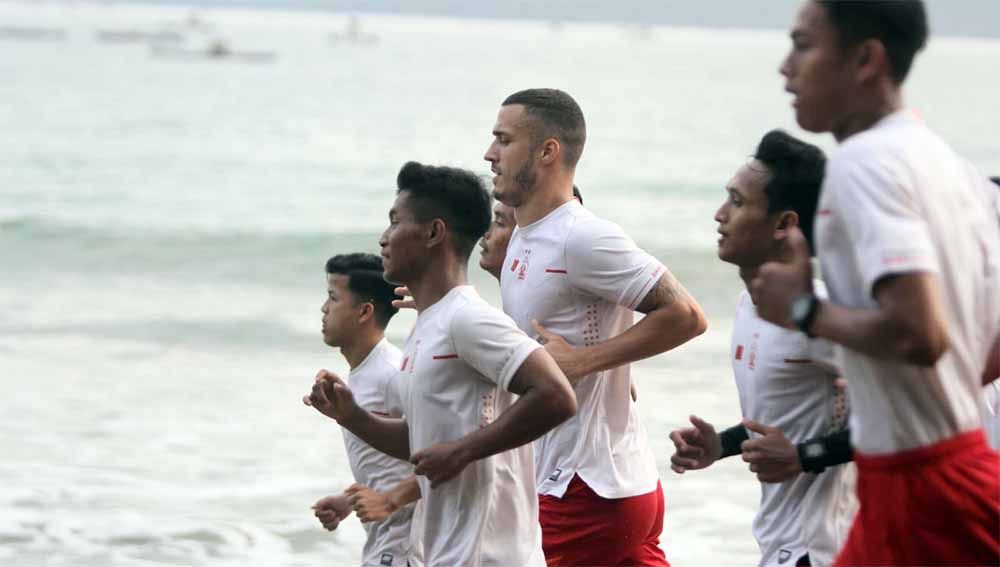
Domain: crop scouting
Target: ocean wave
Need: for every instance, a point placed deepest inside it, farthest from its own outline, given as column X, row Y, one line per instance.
column 38, row 245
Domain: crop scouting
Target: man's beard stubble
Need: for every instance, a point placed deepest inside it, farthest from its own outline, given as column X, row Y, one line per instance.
column 525, row 178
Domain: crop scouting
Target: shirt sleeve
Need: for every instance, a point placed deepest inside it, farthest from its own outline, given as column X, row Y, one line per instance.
column 877, row 204
column 489, row 341
column 603, row 261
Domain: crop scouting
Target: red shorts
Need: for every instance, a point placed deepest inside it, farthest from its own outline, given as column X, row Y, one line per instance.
column 936, row 505
column 583, row 529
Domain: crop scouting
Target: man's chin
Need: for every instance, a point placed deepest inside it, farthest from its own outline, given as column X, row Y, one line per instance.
column 487, row 266
column 390, row 277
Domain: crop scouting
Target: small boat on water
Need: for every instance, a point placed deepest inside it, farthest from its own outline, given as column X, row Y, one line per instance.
column 218, row 50
column 353, row 34
column 139, row 36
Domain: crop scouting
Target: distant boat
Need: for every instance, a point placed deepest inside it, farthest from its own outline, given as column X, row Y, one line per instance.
column 192, row 23
column 353, row 34
column 139, row 36
column 32, row 33
column 218, row 50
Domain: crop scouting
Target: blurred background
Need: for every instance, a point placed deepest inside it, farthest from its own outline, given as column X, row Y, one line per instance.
column 173, row 177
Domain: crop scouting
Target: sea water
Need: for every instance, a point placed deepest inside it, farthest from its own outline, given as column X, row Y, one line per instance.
column 164, row 224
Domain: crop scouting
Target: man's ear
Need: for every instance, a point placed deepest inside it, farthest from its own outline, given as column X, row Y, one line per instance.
column 367, row 312
column 437, row 232
column 786, row 221
column 871, row 60
column 550, row 151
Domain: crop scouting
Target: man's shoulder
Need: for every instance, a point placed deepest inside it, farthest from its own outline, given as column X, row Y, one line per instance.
column 588, row 230
column 898, row 139
column 468, row 314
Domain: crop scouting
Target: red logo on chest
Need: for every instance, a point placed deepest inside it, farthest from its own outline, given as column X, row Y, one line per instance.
column 739, row 352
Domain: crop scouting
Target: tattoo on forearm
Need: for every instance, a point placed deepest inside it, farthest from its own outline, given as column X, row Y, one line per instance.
column 665, row 292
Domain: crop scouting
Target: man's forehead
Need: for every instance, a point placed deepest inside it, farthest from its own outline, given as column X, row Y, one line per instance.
column 809, row 19
column 399, row 205
column 753, row 175
column 512, row 117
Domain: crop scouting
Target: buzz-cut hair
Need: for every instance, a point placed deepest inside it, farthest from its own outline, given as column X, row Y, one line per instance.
column 555, row 115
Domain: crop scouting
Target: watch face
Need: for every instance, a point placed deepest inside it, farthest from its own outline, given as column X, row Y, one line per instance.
column 800, row 307
column 814, row 450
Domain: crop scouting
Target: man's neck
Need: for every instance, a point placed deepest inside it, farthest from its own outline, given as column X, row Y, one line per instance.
column 547, row 196
column 438, row 278
column 356, row 352
column 748, row 273
column 866, row 116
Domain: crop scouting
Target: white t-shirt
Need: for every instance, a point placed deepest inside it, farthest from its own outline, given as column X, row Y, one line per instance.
column 896, row 199
column 581, row 277
column 456, row 368
column 388, row 542
column 786, row 380
column 991, row 414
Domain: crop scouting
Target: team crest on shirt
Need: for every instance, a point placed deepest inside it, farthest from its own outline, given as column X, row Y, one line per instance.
column 784, row 555
column 520, row 265
column 752, row 362
column 386, row 560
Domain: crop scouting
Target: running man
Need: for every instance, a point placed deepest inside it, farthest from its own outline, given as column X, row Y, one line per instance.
column 575, row 281
column 786, row 381
column 474, row 389
column 374, row 504
column 908, row 237
column 356, row 312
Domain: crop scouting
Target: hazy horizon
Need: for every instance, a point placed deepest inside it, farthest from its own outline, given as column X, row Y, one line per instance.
column 971, row 18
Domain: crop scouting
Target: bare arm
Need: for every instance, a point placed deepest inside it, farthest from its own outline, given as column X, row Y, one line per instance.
column 331, row 397
column 907, row 326
column 545, row 400
column 672, row 318
column 372, row 506
column 992, row 371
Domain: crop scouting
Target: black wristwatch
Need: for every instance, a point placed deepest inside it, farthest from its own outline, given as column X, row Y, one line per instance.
column 804, row 308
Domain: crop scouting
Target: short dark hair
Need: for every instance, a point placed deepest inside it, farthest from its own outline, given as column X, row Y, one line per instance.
column 557, row 116
column 995, row 180
column 796, row 177
column 364, row 279
column 577, row 194
column 454, row 195
column 901, row 26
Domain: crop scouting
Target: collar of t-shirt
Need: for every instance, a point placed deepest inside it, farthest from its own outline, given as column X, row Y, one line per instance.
column 371, row 355
column 565, row 207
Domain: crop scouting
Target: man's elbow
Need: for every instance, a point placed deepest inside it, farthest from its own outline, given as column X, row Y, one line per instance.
column 562, row 404
column 923, row 350
column 693, row 322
